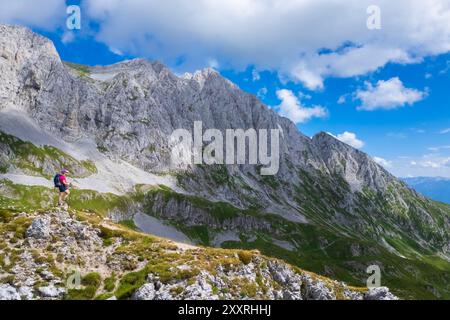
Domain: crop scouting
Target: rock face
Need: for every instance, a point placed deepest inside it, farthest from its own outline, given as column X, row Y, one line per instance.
column 280, row 282
column 130, row 109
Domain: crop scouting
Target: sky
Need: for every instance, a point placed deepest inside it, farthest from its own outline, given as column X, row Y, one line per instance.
column 375, row 74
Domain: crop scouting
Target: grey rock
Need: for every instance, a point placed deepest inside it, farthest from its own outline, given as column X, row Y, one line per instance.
column 8, row 292
column 380, row 293
column 26, row 293
column 146, row 292
column 51, row 291
column 39, row 228
column 47, row 275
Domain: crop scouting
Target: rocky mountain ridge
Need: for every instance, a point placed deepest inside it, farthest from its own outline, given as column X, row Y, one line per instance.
column 330, row 208
column 46, row 249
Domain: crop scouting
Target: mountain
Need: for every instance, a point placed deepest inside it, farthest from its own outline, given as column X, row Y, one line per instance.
column 433, row 187
column 101, row 256
column 330, row 208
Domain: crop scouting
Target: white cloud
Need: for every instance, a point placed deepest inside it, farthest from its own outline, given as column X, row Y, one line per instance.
column 383, row 162
column 444, row 131
column 389, row 94
column 116, row 51
column 213, row 63
column 269, row 35
column 67, row 37
column 342, row 99
column 428, row 165
column 292, row 108
column 432, row 163
column 255, row 75
column 305, row 96
column 437, row 149
column 396, row 135
column 276, row 34
column 446, row 162
column 44, row 14
column 262, row 93
column 350, row 139
column 446, row 68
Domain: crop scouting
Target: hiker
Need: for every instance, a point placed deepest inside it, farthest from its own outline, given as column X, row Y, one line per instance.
column 63, row 185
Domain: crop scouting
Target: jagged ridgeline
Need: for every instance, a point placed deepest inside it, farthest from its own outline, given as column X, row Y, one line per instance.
column 330, row 208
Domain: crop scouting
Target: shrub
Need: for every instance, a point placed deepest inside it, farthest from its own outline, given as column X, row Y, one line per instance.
column 245, row 256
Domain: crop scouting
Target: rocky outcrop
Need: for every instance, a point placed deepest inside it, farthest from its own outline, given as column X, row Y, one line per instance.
column 8, row 292
column 381, row 293
column 279, row 282
column 40, row 228
column 56, row 241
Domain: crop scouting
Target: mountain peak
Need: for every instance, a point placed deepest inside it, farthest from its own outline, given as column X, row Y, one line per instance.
column 324, row 190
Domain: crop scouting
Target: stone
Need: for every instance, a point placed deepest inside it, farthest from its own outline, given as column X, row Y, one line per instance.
column 379, row 293
column 8, row 292
column 26, row 293
column 51, row 291
column 39, row 228
column 146, row 292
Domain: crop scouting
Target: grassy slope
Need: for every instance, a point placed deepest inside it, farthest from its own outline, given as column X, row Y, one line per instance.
column 317, row 248
column 324, row 248
column 158, row 254
column 31, row 158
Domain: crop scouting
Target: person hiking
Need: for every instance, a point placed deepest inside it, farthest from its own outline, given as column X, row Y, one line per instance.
column 60, row 181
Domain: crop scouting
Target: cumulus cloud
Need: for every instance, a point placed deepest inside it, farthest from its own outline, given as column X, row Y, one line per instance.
column 432, row 162
column 255, row 75
column 342, row 99
column 383, row 162
column 67, row 37
column 428, row 165
column 292, row 108
column 213, row 63
column 270, row 35
column 447, row 162
column 45, row 14
column 437, row 149
column 350, row 138
column 262, row 92
column 276, row 34
column 389, row 94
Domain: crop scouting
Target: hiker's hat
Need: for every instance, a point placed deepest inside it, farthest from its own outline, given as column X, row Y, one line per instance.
column 63, row 171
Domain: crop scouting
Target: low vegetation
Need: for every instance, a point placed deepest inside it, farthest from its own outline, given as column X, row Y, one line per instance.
column 41, row 161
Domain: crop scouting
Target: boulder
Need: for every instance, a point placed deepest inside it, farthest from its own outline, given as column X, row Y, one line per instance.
column 39, row 228
column 146, row 292
column 8, row 292
column 51, row 291
column 380, row 293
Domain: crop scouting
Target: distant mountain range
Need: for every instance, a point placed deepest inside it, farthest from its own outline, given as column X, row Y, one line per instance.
column 436, row 188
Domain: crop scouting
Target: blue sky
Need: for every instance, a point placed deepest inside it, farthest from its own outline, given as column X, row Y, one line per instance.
column 384, row 91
